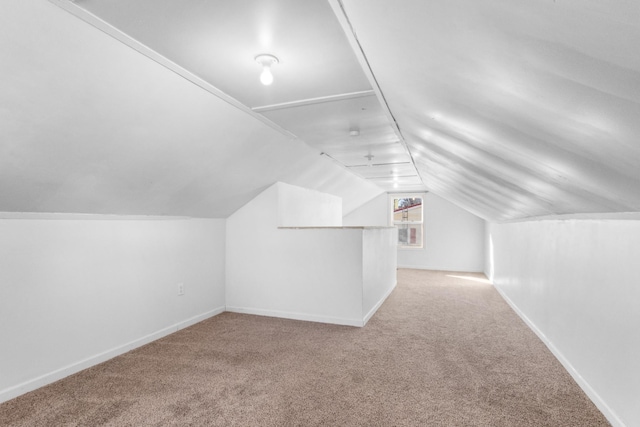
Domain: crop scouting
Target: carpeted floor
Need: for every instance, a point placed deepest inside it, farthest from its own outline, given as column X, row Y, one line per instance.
column 441, row 351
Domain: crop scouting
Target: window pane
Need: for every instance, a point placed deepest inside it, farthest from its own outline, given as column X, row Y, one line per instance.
column 410, row 235
column 407, row 216
column 407, row 209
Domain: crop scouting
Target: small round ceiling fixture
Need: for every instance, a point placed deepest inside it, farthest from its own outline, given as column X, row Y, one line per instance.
column 266, row 60
column 369, row 158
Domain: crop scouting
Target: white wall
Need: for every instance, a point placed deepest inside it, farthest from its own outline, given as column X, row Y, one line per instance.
column 267, row 269
column 301, row 207
column 379, row 267
column 314, row 274
column 577, row 283
column 453, row 237
column 374, row 213
column 300, row 273
column 75, row 292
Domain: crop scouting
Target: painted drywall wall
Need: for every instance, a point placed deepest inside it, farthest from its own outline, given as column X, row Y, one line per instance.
column 575, row 282
column 300, row 273
column 75, row 292
column 374, row 213
column 454, row 238
column 379, row 265
column 293, row 273
column 302, row 207
column 317, row 276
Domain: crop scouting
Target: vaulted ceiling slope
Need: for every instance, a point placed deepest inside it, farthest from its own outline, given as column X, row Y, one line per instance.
column 321, row 93
column 512, row 108
column 89, row 125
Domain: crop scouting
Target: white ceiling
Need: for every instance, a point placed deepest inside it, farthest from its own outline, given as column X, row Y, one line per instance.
column 218, row 40
column 510, row 109
column 320, row 91
column 89, row 125
column 514, row 108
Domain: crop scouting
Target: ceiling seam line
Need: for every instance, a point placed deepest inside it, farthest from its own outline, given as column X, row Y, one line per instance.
column 312, row 101
column 379, row 164
column 375, row 84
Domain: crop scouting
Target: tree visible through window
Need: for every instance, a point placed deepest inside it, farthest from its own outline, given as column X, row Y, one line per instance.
column 407, row 216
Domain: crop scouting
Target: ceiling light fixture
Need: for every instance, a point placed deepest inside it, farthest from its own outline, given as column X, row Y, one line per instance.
column 266, row 60
column 369, row 158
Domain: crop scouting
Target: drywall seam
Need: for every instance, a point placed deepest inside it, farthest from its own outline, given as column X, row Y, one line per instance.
column 58, row 374
column 584, row 385
column 375, row 308
column 313, row 101
column 343, row 19
column 296, row 316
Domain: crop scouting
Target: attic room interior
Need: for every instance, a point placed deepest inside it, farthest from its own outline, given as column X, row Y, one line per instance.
column 320, row 212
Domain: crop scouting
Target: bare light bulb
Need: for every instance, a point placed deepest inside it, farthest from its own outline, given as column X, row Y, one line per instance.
column 266, row 60
column 266, row 77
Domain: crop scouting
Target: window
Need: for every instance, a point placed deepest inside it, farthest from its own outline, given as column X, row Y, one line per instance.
column 406, row 214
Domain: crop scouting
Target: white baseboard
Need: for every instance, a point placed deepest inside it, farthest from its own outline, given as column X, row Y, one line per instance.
column 421, row 267
column 378, row 304
column 296, row 316
column 584, row 385
column 58, row 374
column 199, row 318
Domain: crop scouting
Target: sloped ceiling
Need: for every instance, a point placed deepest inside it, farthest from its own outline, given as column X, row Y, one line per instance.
column 321, row 93
column 89, row 125
column 510, row 109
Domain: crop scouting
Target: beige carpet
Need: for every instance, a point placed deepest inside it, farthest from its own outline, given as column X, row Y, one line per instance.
column 441, row 351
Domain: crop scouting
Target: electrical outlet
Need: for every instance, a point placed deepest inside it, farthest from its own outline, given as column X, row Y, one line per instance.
column 180, row 288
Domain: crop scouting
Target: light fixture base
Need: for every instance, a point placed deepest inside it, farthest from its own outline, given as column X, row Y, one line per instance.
column 266, row 60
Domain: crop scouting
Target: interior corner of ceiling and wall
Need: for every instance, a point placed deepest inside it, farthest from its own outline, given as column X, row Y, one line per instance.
column 509, row 110
column 130, row 130
column 95, row 127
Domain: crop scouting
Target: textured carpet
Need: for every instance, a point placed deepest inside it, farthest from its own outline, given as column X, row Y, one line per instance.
column 441, row 351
